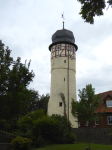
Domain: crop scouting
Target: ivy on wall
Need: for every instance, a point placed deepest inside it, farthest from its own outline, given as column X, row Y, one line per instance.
column 63, row 100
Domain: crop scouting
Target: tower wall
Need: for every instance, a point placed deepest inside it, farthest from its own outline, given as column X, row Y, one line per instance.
column 59, row 80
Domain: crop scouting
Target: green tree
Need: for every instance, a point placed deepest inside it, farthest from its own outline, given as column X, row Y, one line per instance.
column 14, row 80
column 84, row 110
column 32, row 103
column 92, row 8
column 42, row 103
column 36, row 102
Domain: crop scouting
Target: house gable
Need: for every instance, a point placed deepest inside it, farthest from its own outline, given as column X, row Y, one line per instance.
column 108, row 97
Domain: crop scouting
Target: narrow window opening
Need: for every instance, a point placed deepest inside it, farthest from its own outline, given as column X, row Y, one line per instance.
column 60, row 104
column 64, row 79
column 64, row 61
column 58, row 47
column 71, row 49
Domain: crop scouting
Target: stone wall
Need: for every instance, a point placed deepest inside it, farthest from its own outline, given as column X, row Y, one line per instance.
column 5, row 146
column 5, row 140
column 6, row 137
column 97, row 135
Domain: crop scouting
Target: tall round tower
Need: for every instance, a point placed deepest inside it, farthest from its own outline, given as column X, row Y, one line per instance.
column 63, row 74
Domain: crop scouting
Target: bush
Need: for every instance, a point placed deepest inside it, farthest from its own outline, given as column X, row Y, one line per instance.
column 20, row 143
column 40, row 142
column 70, row 138
column 17, row 132
column 44, row 129
column 63, row 130
column 4, row 125
column 27, row 122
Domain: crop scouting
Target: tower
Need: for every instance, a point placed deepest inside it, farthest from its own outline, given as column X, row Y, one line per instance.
column 63, row 74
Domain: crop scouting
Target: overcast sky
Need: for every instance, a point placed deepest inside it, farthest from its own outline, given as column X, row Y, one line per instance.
column 26, row 27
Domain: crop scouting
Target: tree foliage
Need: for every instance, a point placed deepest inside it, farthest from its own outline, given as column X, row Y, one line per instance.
column 42, row 128
column 14, row 80
column 31, row 105
column 88, row 103
column 84, row 110
column 36, row 102
column 42, row 103
column 92, row 8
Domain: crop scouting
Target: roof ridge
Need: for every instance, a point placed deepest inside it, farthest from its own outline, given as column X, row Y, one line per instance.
column 104, row 92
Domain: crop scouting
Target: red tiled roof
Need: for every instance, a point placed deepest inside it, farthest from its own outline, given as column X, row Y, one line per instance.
column 103, row 96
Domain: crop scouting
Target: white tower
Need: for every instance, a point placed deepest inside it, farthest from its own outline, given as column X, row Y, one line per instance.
column 63, row 74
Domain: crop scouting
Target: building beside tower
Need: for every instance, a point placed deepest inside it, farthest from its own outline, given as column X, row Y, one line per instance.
column 63, row 74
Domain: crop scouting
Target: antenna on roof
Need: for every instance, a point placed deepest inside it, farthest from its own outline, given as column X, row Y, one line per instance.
column 62, row 16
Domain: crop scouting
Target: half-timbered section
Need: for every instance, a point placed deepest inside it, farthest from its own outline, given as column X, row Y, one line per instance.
column 63, row 50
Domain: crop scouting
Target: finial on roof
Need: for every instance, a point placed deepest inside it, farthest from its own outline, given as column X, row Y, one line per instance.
column 63, row 24
column 63, row 19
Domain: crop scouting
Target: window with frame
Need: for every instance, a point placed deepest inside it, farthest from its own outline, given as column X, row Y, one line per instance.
column 86, row 123
column 109, row 120
column 96, row 121
column 109, row 103
column 78, row 123
column 58, row 48
column 71, row 49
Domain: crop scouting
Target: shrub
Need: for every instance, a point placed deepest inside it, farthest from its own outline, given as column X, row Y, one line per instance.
column 43, row 129
column 17, row 132
column 40, row 142
column 27, row 122
column 63, row 130
column 21, row 143
column 70, row 138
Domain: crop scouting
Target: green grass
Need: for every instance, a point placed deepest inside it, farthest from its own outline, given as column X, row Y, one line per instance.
column 76, row 146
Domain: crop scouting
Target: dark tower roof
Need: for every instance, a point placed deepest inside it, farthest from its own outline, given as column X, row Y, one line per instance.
column 63, row 36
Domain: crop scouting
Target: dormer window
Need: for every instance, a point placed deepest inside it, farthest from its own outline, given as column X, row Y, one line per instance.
column 58, row 48
column 109, row 103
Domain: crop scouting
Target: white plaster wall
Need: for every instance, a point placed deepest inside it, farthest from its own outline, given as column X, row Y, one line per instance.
column 59, row 71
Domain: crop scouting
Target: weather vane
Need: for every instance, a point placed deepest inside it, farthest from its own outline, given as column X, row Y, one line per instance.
column 62, row 16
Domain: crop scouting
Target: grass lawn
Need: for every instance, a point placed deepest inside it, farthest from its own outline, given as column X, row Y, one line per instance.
column 76, row 146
